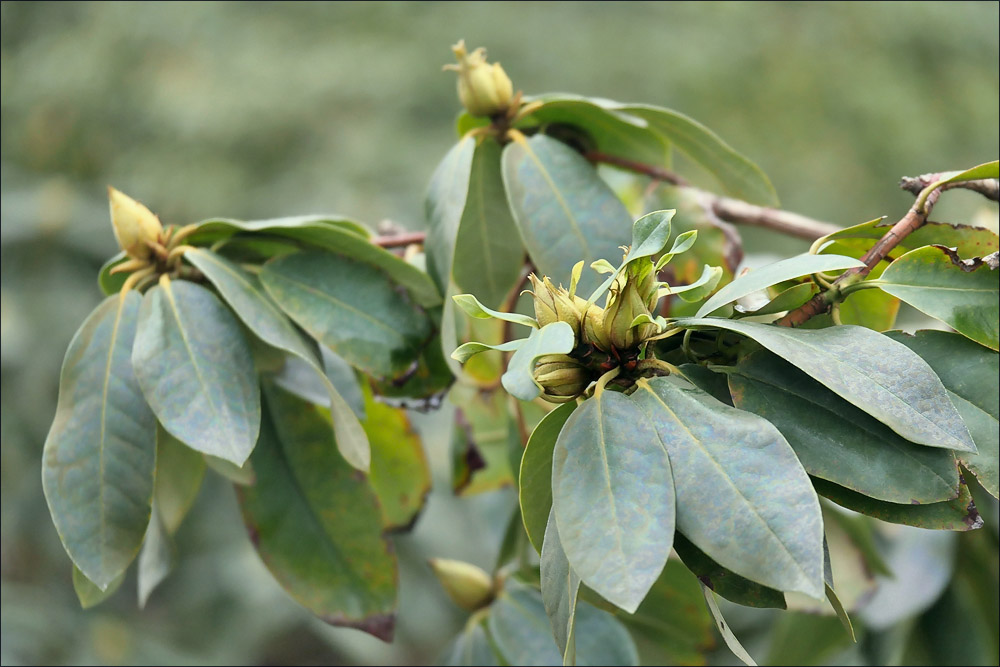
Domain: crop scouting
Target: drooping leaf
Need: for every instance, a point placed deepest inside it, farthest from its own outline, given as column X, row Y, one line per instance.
column 535, row 482
column 772, row 274
column 399, row 472
column 738, row 482
column 962, row 294
column 564, row 211
column 259, row 313
column 156, row 559
column 179, row 473
column 985, row 432
column 443, row 209
column 488, row 252
column 831, row 594
column 315, row 523
column 875, row 373
column 724, row 581
column 560, row 586
column 424, row 385
column 484, row 435
column 553, row 338
column 727, row 634
column 613, row 498
column 100, row 453
column 470, row 648
column 838, row 442
column 957, row 514
column 737, row 175
column 87, row 591
column 196, row 371
column 350, row 307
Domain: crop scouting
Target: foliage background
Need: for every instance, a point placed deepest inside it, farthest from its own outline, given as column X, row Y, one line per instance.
column 262, row 109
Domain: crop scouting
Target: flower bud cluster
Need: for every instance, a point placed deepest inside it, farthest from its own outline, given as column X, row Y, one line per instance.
column 135, row 226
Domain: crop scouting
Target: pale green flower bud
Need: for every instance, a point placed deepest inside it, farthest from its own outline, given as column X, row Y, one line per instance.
column 593, row 329
column 483, row 88
column 468, row 586
column 554, row 304
column 625, row 303
column 561, row 377
column 134, row 224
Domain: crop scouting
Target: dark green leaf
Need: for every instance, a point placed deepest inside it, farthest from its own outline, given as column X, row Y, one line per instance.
column 875, row 373
column 563, row 209
column 965, row 295
column 488, row 251
column 316, row 523
column 350, row 307
column 613, row 498
column 958, row 514
column 723, row 581
column 87, row 591
column 535, row 484
column 560, row 587
column 196, row 371
column 738, row 483
column 100, row 453
column 179, row 473
column 443, row 209
column 838, row 442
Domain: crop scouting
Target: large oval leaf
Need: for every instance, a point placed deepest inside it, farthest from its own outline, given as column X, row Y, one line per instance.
column 100, row 453
column 252, row 305
column 316, row 523
column 535, row 477
column 563, row 209
column 560, row 587
column 963, row 295
column 196, row 370
column 837, row 441
column 742, row 496
column 488, row 250
column 351, row 307
column 613, row 498
column 443, row 209
column 875, row 373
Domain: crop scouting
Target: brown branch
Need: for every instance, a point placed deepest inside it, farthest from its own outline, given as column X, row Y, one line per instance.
column 658, row 173
column 987, row 187
column 397, row 240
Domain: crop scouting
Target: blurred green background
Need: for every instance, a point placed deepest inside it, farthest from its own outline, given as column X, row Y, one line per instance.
column 261, row 109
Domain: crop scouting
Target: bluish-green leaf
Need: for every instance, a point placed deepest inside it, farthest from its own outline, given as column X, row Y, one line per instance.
column 837, row 441
column 737, row 175
column 738, row 483
column 965, row 295
column 563, row 209
column 443, row 209
column 156, row 559
column 488, row 251
column 354, row 309
column 316, row 523
column 100, row 453
column 553, row 338
column 772, row 274
column 535, row 483
column 875, row 373
column 196, row 371
column 613, row 498
column 560, row 587
column 260, row 314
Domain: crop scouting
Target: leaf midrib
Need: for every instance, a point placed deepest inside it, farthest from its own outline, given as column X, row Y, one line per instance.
column 574, row 224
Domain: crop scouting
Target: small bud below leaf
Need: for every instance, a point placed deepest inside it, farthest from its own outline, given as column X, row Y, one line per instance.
column 468, row 586
column 561, row 377
column 134, row 225
column 483, row 89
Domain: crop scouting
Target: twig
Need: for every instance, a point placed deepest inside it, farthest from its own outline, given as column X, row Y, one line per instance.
column 658, row 173
column 987, row 187
column 397, row 240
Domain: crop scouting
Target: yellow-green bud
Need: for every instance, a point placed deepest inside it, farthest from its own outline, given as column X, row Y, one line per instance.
column 554, row 304
column 468, row 586
column 561, row 377
column 134, row 224
column 625, row 303
column 593, row 329
column 483, row 88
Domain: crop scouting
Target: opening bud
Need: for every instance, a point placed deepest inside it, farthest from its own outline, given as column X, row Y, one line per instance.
column 593, row 329
column 483, row 88
column 468, row 586
column 629, row 298
column 561, row 377
column 556, row 304
column 134, row 224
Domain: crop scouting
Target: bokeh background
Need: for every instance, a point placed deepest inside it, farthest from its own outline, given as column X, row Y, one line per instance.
column 254, row 110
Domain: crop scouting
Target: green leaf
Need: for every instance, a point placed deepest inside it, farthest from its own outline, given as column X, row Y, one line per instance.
column 968, row 241
column 471, row 306
column 985, row 431
column 484, row 436
column 957, row 514
column 259, row 313
column 737, row 175
column 553, row 338
column 108, row 282
column 100, row 453
column 563, row 209
column 156, row 559
column 600, row 127
column 350, row 307
column 875, row 373
column 443, row 209
column 727, row 634
column 979, row 172
column 560, row 587
column 965, row 295
column 179, row 473
column 724, row 581
column 737, row 483
column 699, row 289
column 535, row 483
column 87, row 591
column 196, row 371
column 241, row 475
column 466, row 351
column 788, row 299
column 470, row 647
column 649, row 234
column 790, row 646
column 315, row 522
column 613, row 498
column 399, row 472
column 488, row 251
column 838, row 442
column 772, row 274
